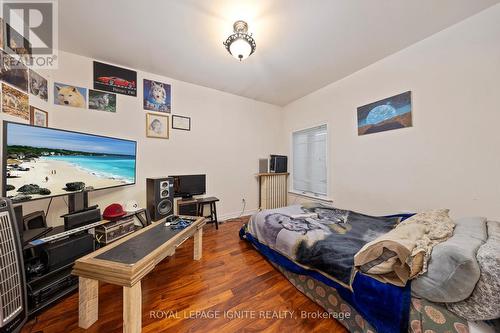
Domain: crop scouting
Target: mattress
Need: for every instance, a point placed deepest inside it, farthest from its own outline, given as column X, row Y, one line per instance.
column 425, row 316
column 329, row 241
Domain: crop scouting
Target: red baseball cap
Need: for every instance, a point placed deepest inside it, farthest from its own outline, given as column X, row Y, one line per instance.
column 113, row 211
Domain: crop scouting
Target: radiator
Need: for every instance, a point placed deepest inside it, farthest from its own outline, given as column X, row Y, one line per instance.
column 273, row 190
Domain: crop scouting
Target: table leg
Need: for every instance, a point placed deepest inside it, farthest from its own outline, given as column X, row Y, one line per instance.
column 198, row 235
column 88, row 302
column 132, row 309
column 215, row 215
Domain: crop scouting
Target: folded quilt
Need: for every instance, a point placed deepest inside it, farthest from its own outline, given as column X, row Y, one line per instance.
column 402, row 253
column 321, row 237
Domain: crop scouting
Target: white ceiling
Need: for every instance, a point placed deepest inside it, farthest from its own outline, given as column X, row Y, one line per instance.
column 302, row 45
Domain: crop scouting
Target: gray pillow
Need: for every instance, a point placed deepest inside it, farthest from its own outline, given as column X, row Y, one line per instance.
column 483, row 303
column 453, row 270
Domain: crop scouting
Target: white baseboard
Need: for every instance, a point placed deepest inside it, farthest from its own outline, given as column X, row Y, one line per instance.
column 224, row 217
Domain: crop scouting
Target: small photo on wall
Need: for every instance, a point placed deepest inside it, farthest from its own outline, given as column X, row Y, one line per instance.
column 156, row 126
column 157, row 96
column 102, row 101
column 70, row 95
column 385, row 115
column 13, row 72
column 181, row 123
column 38, row 85
column 15, row 102
column 38, row 117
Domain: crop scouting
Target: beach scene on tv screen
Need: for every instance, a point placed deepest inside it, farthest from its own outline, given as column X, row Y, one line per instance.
column 44, row 162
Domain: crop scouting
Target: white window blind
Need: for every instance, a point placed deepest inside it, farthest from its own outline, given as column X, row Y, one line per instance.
column 309, row 160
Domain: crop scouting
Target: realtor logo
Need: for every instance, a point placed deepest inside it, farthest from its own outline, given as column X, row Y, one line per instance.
column 31, row 31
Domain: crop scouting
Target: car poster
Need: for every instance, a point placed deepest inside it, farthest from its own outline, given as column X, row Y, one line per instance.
column 115, row 79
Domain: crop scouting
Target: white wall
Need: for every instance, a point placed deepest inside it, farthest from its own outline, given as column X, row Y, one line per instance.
column 228, row 135
column 450, row 157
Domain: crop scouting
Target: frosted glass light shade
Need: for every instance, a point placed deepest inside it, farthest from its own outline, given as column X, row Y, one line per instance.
column 240, row 49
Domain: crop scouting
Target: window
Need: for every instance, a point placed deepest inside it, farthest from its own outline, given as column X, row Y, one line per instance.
column 309, row 160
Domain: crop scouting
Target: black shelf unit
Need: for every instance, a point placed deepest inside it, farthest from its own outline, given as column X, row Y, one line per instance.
column 39, row 289
column 50, row 286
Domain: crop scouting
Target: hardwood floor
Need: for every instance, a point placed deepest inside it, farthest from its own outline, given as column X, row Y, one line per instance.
column 231, row 279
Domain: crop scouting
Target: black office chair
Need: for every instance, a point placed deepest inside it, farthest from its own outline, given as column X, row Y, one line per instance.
column 35, row 220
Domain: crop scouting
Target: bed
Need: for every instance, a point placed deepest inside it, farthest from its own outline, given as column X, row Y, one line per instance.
column 315, row 247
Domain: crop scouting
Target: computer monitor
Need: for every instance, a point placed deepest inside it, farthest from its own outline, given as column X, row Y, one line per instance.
column 186, row 186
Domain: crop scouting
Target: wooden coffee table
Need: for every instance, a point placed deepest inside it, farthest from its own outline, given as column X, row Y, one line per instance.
column 124, row 263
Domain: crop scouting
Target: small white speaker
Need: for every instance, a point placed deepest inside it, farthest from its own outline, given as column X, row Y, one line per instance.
column 263, row 165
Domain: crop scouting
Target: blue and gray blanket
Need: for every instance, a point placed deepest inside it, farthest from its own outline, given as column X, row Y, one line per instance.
column 321, row 241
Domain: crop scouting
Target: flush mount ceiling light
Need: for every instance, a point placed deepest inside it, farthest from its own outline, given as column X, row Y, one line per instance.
column 240, row 44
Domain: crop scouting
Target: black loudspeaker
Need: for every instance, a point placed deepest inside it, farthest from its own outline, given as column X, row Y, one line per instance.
column 278, row 163
column 160, row 197
column 13, row 301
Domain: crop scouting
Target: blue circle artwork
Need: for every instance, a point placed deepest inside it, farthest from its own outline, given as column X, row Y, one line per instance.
column 380, row 113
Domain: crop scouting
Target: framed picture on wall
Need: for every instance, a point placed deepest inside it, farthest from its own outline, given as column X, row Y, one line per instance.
column 13, row 72
column 1, row 33
column 38, row 85
column 69, row 95
column 16, row 43
column 156, row 126
column 38, row 117
column 385, row 115
column 157, row 96
column 115, row 79
column 181, row 122
column 15, row 102
column 102, row 101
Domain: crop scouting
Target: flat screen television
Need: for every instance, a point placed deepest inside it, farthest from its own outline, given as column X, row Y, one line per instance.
column 40, row 162
column 188, row 185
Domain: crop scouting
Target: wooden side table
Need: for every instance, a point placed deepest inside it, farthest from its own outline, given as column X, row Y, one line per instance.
column 213, row 209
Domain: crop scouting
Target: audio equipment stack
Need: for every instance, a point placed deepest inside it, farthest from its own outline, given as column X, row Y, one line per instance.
column 160, row 197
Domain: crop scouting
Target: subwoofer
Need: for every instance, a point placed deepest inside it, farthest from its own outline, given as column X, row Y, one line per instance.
column 13, row 301
column 160, row 197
